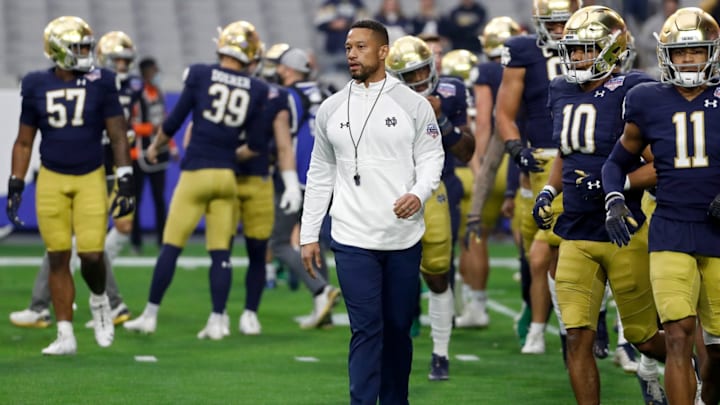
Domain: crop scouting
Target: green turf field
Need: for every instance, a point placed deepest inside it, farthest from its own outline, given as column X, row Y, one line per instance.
column 262, row 369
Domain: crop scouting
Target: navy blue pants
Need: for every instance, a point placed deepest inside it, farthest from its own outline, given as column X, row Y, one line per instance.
column 379, row 289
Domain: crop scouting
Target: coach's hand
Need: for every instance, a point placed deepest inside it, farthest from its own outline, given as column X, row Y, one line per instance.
column 406, row 206
column 124, row 202
column 310, row 254
column 15, row 189
column 619, row 221
column 589, row 186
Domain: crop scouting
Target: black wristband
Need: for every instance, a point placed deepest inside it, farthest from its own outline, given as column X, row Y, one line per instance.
column 15, row 185
column 514, row 147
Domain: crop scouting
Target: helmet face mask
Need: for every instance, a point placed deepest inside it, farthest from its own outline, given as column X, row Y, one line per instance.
column 116, row 51
column 688, row 48
column 547, row 14
column 412, row 62
column 599, row 35
column 627, row 63
column 271, row 59
column 69, row 43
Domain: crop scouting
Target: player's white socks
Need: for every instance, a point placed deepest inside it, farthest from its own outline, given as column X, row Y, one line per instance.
column 65, row 328
column 151, row 310
column 647, row 368
column 537, row 328
column 440, row 309
column 556, row 306
column 621, row 333
column 115, row 241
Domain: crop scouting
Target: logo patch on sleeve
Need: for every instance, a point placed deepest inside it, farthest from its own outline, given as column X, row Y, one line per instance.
column 615, row 82
column 432, row 130
column 446, row 90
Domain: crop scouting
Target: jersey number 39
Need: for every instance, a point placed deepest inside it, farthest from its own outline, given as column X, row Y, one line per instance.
column 228, row 106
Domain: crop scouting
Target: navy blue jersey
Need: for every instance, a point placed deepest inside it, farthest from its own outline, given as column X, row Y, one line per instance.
column 684, row 138
column 306, row 99
column 541, row 67
column 260, row 164
column 453, row 103
column 227, row 108
column 586, row 126
column 490, row 74
column 70, row 116
column 130, row 93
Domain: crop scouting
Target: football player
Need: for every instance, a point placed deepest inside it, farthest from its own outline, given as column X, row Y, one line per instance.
column 678, row 119
column 587, row 120
column 72, row 104
column 411, row 61
column 225, row 101
column 527, row 74
column 115, row 52
column 474, row 259
column 291, row 67
column 255, row 199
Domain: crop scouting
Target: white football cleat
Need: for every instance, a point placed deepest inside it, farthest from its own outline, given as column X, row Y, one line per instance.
column 249, row 324
column 213, row 329
column 143, row 324
column 27, row 318
column 624, row 358
column 102, row 321
column 534, row 343
column 474, row 316
column 323, row 304
column 120, row 314
column 64, row 345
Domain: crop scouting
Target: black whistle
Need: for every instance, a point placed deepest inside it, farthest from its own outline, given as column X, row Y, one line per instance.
column 356, row 177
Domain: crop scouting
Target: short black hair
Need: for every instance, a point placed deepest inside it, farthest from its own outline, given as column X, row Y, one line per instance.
column 147, row 63
column 374, row 26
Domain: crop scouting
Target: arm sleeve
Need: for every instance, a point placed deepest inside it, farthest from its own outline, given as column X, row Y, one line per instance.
column 616, row 167
column 319, row 184
column 259, row 120
column 111, row 97
column 427, row 152
column 185, row 103
column 512, row 180
column 28, row 114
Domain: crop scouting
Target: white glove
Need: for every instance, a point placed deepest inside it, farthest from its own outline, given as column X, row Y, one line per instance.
column 291, row 199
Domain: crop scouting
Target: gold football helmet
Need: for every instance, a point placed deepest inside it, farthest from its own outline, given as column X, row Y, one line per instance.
column 271, row 58
column 407, row 59
column 600, row 33
column 496, row 32
column 241, row 41
column 69, row 43
column 115, row 45
column 462, row 64
column 689, row 27
column 551, row 11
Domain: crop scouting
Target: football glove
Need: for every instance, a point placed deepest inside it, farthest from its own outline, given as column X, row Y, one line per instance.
column 15, row 189
column 473, row 230
column 714, row 210
column 292, row 198
column 619, row 221
column 542, row 211
column 124, row 202
column 528, row 159
column 589, row 186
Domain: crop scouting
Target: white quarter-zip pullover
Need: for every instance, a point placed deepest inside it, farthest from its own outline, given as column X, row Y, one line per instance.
column 399, row 151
